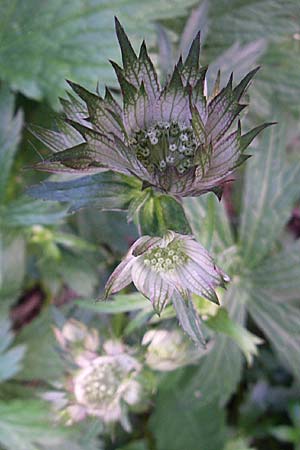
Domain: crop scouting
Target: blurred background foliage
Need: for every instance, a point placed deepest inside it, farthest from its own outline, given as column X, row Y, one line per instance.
column 54, row 263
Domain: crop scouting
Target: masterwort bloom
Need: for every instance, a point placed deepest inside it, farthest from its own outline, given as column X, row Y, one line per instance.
column 102, row 381
column 174, row 137
column 169, row 349
column 161, row 267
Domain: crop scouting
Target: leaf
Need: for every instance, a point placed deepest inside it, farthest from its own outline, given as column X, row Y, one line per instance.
column 219, row 370
column 25, row 425
column 25, row 212
column 209, row 222
column 160, row 213
column 188, row 318
column 197, row 21
column 280, row 274
column 181, row 421
column 241, row 21
column 238, row 60
column 57, row 40
column 280, row 322
column 135, row 445
column 105, row 191
column 10, row 135
column 118, row 304
column 42, row 361
column 271, row 187
column 10, row 359
column 12, row 268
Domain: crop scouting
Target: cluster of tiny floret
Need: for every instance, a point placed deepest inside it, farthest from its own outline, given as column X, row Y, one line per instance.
column 165, row 144
column 101, row 385
column 165, row 258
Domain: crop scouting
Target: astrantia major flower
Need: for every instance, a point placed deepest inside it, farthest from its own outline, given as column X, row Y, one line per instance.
column 160, row 268
column 173, row 138
column 101, row 380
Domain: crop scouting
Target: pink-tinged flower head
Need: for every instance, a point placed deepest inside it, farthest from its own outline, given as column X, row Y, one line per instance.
column 173, row 137
column 159, row 267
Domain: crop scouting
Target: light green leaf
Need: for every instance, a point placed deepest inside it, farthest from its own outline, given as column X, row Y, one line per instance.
column 12, row 268
column 25, row 212
column 159, row 214
column 247, row 341
column 272, row 186
column 44, row 43
column 220, row 370
column 27, row 425
column 280, row 273
column 10, row 359
column 280, row 323
column 209, row 222
column 118, row 304
column 10, row 135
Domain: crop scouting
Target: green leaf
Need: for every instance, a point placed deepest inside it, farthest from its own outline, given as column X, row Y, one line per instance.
column 26, row 425
column 12, row 268
column 209, row 222
column 26, row 211
column 136, row 445
column 221, row 323
column 280, row 273
column 41, row 361
column 118, row 304
column 57, row 40
column 10, row 135
column 160, row 213
column 105, row 191
column 280, row 322
column 10, row 359
column 219, row 370
column 272, row 186
column 181, row 421
column 188, row 318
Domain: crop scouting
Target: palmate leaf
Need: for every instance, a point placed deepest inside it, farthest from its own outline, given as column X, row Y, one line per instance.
column 280, row 274
column 10, row 135
column 219, row 371
column 280, row 322
column 272, row 186
column 243, row 21
column 53, row 41
column 27, row 425
column 181, row 421
column 10, row 358
column 209, row 222
column 12, row 268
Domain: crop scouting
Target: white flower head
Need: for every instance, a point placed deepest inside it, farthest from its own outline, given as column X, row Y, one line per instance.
column 105, row 384
column 169, row 349
column 159, row 267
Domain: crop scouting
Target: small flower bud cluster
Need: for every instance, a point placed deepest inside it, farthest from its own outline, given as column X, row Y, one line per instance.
column 165, row 258
column 166, row 144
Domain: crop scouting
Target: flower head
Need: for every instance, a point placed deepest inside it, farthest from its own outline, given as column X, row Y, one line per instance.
column 169, row 349
column 101, row 381
column 101, row 387
column 160, row 266
column 174, row 138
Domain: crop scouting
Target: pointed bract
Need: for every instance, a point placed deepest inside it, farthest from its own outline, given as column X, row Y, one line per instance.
column 173, row 138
